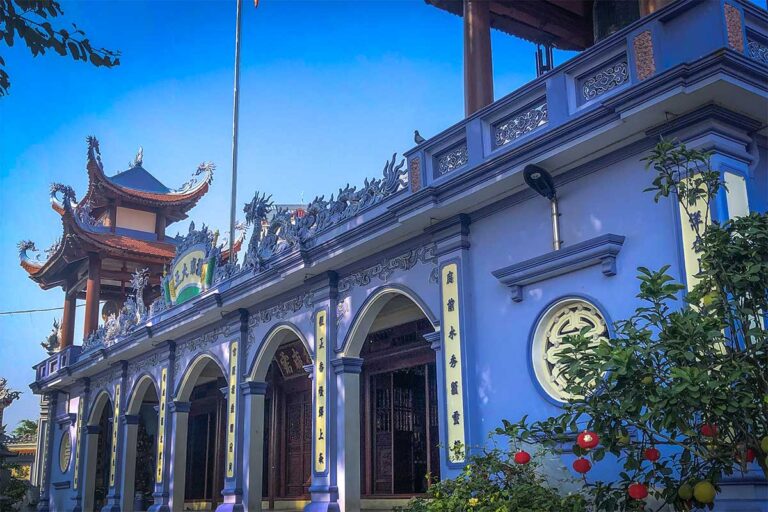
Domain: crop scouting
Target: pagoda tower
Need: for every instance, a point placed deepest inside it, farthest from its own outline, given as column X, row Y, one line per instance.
column 116, row 229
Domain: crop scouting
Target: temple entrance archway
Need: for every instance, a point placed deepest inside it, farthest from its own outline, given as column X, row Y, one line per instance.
column 288, row 425
column 393, row 444
column 141, row 446
column 280, row 419
column 199, row 436
column 98, row 447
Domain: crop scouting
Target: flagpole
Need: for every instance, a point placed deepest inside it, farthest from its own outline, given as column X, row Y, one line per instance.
column 235, row 123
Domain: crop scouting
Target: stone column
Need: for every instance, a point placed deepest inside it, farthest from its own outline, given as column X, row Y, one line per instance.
column 118, row 443
column 91, row 445
column 92, row 294
column 178, row 456
column 128, row 481
column 324, row 490
column 236, row 426
column 254, row 394
column 78, row 482
column 478, row 66
column 451, row 238
column 162, row 492
column 347, row 370
column 47, row 456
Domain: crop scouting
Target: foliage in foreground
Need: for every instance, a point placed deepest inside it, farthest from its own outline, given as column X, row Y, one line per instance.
column 492, row 482
column 30, row 21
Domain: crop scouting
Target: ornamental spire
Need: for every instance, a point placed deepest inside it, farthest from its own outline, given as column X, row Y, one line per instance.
column 139, row 158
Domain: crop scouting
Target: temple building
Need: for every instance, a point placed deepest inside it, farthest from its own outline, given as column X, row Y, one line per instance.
column 351, row 344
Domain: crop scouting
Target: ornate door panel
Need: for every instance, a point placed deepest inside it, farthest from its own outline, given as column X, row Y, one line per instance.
column 298, row 443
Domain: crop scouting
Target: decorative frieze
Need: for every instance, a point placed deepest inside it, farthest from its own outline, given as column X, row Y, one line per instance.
column 102, row 380
column 519, row 124
column 386, row 267
column 196, row 345
column 757, row 51
column 645, row 64
column 734, row 28
column 153, row 361
column 280, row 311
column 452, row 159
column 605, row 80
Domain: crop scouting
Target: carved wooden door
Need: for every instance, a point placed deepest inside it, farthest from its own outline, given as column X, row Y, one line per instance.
column 298, row 443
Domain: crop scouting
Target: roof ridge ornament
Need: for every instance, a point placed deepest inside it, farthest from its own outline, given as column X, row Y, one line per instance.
column 196, row 181
column 138, row 160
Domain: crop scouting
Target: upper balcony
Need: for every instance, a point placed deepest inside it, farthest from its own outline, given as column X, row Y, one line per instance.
column 687, row 55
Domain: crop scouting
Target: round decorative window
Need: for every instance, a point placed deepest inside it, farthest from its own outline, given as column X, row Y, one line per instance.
column 65, row 452
column 565, row 318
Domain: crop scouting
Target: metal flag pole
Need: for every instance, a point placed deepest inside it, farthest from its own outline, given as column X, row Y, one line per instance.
column 235, row 123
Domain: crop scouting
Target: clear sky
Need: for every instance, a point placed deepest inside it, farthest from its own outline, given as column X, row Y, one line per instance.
column 329, row 91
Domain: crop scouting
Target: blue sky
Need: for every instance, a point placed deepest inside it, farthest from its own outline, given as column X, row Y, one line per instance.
column 329, row 91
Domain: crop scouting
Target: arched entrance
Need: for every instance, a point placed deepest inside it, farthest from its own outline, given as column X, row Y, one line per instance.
column 141, row 446
column 98, row 447
column 280, row 419
column 200, row 433
column 399, row 433
column 288, row 425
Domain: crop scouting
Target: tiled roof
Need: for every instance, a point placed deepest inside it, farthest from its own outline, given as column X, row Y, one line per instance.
column 138, row 178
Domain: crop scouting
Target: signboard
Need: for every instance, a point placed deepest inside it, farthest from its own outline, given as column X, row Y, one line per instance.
column 454, row 387
column 191, row 270
column 321, row 409
column 232, row 409
column 115, row 426
column 161, row 427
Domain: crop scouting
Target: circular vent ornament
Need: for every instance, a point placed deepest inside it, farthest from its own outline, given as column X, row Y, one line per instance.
column 565, row 318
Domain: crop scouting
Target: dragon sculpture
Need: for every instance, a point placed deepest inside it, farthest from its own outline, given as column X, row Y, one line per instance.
column 131, row 315
column 280, row 231
column 53, row 340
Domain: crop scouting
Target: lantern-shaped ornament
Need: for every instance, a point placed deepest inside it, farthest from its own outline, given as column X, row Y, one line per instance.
column 581, row 465
column 637, row 491
column 522, row 457
column 587, row 440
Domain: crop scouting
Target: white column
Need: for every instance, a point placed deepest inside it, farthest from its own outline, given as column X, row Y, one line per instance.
column 127, row 486
column 180, row 423
column 348, row 371
column 254, row 443
column 88, row 482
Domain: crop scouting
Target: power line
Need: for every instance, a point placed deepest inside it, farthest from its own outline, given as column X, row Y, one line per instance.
column 23, row 311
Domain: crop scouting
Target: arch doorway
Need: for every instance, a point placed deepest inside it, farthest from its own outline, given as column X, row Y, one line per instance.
column 141, row 442
column 199, row 448
column 287, row 425
column 399, row 433
column 98, row 450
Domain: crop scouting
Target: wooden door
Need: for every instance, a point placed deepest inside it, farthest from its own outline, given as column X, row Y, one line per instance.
column 298, row 443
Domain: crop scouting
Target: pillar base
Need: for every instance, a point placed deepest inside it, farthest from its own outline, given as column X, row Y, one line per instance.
column 324, row 499
column 230, row 507
column 161, row 502
column 43, row 505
